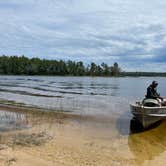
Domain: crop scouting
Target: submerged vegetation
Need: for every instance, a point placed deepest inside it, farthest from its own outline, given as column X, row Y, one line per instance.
column 15, row 65
column 28, row 140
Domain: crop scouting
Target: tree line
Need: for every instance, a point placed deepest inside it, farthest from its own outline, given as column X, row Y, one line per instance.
column 15, row 65
column 142, row 74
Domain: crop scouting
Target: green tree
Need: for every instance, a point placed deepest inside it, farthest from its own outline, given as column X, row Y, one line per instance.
column 115, row 70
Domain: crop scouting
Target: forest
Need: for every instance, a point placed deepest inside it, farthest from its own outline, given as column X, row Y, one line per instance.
column 21, row 65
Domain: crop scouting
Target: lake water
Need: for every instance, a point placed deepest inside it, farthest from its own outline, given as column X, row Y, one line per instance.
column 96, row 96
column 80, row 95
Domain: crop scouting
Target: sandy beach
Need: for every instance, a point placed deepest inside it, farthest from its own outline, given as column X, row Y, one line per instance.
column 62, row 139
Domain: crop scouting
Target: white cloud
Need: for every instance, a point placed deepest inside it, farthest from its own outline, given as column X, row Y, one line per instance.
column 127, row 31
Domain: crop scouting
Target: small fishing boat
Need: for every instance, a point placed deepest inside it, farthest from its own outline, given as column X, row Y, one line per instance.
column 148, row 111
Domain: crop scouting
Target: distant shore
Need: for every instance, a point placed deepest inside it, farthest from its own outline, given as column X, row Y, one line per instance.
column 21, row 65
column 124, row 74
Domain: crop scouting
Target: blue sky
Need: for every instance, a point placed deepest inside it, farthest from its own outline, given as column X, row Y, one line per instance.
column 132, row 33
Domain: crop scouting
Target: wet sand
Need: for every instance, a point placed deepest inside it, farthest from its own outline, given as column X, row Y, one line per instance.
column 39, row 138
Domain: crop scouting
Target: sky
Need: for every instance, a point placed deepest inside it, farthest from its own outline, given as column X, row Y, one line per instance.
column 130, row 32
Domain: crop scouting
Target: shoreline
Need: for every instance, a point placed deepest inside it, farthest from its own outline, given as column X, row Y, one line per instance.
column 74, row 140
column 49, row 138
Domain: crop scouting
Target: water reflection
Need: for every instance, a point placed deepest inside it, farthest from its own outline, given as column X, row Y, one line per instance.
column 136, row 126
column 127, row 124
column 12, row 121
column 146, row 145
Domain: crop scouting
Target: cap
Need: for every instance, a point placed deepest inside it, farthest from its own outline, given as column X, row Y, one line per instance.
column 154, row 83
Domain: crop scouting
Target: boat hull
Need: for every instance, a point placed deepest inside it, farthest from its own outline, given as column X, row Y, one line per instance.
column 148, row 115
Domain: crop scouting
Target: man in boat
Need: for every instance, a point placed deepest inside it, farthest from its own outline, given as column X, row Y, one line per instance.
column 153, row 94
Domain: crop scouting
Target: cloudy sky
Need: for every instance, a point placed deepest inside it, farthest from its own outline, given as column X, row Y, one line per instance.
column 130, row 32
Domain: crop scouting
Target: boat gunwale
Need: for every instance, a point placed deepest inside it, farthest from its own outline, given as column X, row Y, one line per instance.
column 149, row 108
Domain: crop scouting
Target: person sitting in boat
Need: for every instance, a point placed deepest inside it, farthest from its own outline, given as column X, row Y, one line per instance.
column 153, row 94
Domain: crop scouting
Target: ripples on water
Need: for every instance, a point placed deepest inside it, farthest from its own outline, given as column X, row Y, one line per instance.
column 76, row 94
column 98, row 95
column 109, row 97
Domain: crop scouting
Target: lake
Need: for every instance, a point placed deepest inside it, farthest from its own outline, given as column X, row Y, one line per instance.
column 97, row 96
column 102, row 97
column 90, row 95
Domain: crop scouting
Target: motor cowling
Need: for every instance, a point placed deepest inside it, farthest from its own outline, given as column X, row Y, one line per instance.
column 151, row 102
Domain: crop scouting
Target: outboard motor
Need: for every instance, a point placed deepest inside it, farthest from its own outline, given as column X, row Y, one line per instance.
column 151, row 102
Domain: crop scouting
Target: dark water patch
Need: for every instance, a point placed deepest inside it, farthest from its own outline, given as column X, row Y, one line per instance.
column 85, row 87
column 95, row 94
column 18, row 86
column 42, row 85
column 52, row 82
column 103, row 87
column 35, row 80
column 66, row 83
column 29, row 94
column 69, row 92
column 62, row 87
column 57, row 91
column 9, row 85
column 20, row 79
column 42, row 89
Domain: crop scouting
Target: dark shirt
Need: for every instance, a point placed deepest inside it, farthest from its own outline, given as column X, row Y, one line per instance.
column 152, row 93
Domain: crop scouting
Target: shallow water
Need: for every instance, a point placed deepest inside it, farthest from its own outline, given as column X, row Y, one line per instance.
column 10, row 121
column 121, row 138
